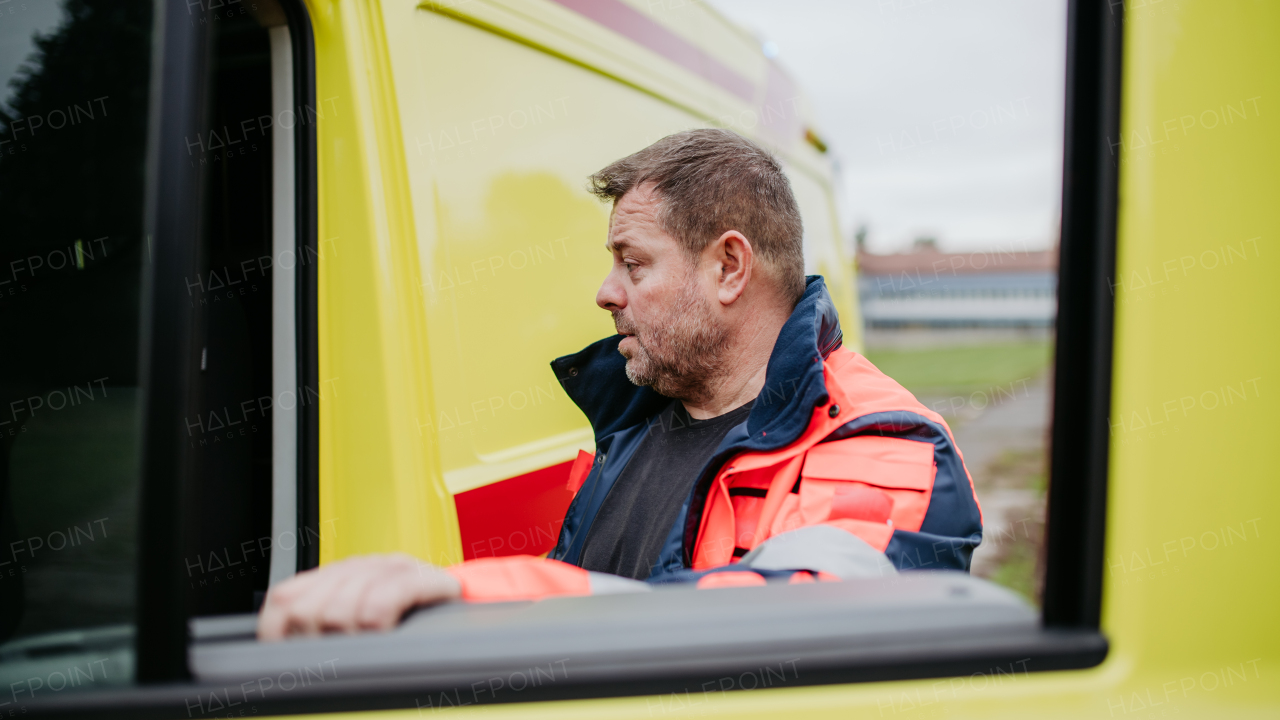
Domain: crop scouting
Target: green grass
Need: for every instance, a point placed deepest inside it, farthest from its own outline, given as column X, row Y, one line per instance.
column 960, row 371
column 1017, row 571
column 942, row 371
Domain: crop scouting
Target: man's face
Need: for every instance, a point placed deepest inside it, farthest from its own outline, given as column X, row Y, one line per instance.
column 661, row 301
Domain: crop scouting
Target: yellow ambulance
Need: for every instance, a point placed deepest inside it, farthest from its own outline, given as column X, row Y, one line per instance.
column 280, row 284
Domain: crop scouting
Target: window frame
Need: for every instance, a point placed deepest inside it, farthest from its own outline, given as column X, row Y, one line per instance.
column 1076, row 513
column 307, row 301
column 170, row 349
column 1069, row 636
column 169, row 342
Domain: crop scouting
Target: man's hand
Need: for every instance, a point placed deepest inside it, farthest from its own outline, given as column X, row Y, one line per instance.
column 362, row 593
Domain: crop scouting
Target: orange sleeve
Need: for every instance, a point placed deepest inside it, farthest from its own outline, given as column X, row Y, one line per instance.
column 519, row 577
column 731, row 578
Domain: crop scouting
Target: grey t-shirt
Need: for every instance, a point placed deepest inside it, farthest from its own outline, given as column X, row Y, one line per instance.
column 636, row 516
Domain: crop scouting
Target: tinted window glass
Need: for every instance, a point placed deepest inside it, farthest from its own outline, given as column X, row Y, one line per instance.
column 229, row 535
column 73, row 108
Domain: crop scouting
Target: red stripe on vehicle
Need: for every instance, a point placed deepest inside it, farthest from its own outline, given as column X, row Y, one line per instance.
column 517, row 516
column 633, row 24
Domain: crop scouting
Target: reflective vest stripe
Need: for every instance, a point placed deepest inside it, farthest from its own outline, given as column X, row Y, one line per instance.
column 868, row 485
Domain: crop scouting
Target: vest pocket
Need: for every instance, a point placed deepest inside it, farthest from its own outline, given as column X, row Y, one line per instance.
column 747, row 504
column 868, row 478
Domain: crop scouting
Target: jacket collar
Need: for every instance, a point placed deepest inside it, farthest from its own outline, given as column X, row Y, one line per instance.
column 595, row 378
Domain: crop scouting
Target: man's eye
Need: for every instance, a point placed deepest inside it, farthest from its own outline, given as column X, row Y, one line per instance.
column 629, row 266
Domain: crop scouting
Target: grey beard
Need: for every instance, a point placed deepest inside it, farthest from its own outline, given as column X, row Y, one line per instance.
column 683, row 353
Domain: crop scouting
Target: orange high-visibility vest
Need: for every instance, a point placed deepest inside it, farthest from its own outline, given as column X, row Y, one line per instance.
column 867, row 484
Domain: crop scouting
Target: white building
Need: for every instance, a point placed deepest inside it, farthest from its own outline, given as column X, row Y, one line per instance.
column 927, row 288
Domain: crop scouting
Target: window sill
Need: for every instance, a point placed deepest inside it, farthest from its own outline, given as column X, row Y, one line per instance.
column 915, row 625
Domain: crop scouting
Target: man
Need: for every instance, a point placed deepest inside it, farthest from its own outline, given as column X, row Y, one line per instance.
column 737, row 440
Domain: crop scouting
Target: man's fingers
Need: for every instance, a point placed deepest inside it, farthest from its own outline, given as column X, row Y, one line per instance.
column 301, row 601
column 340, row 611
column 303, row 614
column 308, row 615
column 271, row 624
column 383, row 605
column 360, row 593
column 274, row 620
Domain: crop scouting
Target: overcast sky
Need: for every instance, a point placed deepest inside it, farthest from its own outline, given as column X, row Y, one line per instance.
column 945, row 115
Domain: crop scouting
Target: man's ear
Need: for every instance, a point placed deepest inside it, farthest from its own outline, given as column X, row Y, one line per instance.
column 734, row 261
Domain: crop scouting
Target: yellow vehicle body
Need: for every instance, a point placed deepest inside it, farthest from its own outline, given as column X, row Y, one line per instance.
column 460, row 254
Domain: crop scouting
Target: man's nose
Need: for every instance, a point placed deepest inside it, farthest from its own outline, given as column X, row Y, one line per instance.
column 611, row 295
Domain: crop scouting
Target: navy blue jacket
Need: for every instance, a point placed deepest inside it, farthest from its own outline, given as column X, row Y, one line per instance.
column 620, row 414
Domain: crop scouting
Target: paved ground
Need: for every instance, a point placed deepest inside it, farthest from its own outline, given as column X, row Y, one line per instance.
column 1004, row 447
column 1004, row 440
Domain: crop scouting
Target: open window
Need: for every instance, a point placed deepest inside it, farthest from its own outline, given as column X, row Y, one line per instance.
column 160, row 403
